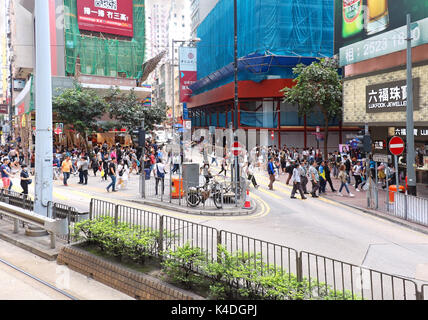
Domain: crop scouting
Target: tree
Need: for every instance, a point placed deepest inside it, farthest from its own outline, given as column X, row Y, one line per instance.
column 129, row 112
column 318, row 84
column 81, row 108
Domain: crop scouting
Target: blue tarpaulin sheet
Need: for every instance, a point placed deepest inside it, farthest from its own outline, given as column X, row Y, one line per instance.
column 267, row 29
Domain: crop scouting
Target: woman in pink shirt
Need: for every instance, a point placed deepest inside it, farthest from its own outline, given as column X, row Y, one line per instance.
column 113, row 153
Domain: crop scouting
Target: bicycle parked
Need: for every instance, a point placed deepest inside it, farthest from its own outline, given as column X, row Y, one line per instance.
column 196, row 195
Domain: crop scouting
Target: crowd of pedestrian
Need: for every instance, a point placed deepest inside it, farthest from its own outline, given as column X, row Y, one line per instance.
column 308, row 165
column 119, row 162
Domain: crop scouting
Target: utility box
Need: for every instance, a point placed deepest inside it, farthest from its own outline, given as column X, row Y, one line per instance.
column 190, row 175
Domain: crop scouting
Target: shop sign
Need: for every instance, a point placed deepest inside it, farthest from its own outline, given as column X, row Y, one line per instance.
column 379, row 145
column 391, row 96
column 417, row 132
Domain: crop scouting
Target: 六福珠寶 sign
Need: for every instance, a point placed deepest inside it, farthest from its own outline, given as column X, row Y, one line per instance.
column 391, row 96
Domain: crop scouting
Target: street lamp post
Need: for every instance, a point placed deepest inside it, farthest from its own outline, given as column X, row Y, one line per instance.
column 43, row 101
column 236, row 97
column 173, row 65
column 410, row 163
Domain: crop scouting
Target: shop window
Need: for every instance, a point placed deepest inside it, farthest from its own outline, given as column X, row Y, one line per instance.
column 290, row 115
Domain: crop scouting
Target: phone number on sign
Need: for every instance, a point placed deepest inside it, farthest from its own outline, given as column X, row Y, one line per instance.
column 106, row 4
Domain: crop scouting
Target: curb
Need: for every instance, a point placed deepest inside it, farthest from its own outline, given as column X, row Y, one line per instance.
column 231, row 213
column 385, row 216
column 38, row 252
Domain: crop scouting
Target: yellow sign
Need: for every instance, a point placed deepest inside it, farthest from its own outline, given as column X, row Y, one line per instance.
column 23, row 123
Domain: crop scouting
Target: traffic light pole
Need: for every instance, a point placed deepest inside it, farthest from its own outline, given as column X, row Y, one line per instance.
column 143, row 172
column 410, row 161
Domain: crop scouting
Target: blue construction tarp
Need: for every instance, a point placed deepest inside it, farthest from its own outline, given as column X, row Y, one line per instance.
column 266, row 29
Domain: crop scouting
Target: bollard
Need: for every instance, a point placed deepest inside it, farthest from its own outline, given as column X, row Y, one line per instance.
column 15, row 226
column 52, row 237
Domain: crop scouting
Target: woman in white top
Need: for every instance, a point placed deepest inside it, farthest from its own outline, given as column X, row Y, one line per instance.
column 123, row 172
column 357, row 174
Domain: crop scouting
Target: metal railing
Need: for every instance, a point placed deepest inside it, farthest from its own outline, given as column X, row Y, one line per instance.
column 345, row 279
column 17, row 214
column 400, row 205
column 411, row 208
column 323, row 273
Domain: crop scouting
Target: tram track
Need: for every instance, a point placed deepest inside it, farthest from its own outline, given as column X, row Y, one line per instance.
column 46, row 284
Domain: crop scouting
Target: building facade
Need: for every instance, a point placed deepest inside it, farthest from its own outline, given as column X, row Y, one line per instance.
column 375, row 80
column 199, row 10
column 83, row 48
column 273, row 37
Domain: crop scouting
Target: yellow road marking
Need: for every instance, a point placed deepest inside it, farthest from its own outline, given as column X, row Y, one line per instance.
column 271, row 194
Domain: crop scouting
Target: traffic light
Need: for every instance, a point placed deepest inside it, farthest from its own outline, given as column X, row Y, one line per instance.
column 364, row 142
column 139, row 137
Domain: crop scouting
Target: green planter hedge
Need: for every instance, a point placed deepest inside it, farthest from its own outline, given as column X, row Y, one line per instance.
column 236, row 275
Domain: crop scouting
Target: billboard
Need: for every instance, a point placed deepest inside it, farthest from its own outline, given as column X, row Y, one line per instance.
column 365, row 29
column 107, row 16
column 188, row 74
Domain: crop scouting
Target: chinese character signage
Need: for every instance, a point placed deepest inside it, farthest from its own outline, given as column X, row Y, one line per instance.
column 365, row 29
column 188, row 74
column 391, row 96
column 107, row 16
column 417, row 132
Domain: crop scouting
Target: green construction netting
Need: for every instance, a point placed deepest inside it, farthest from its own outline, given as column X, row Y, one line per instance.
column 104, row 57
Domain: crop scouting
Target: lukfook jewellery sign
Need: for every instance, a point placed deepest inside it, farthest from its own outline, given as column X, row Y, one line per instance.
column 390, row 96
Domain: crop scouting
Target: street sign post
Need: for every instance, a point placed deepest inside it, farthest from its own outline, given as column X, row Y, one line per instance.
column 236, row 148
column 380, row 157
column 396, row 147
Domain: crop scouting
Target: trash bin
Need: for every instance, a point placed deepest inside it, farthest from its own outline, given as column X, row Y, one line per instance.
column 393, row 189
column 147, row 174
column 177, row 188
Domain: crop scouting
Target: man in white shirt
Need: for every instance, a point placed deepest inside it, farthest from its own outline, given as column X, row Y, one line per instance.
column 296, row 182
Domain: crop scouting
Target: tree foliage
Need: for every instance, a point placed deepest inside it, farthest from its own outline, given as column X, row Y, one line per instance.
column 79, row 107
column 129, row 112
column 317, row 85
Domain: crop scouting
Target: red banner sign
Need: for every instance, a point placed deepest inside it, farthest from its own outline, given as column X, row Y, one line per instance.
column 108, row 16
column 186, row 79
column 4, row 109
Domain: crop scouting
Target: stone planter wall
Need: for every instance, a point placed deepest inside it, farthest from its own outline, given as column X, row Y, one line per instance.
column 137, row 285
